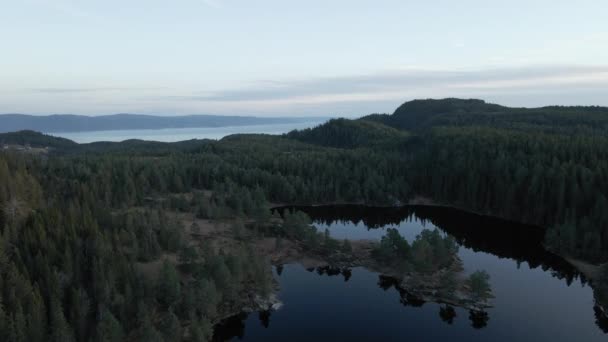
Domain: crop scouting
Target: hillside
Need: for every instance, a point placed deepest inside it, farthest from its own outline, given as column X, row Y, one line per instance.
column 419, row 115
column 346, row 133
column 92, row 216
column 65, row 146
column 35, row 139
column 486, row 158
column 498, row 161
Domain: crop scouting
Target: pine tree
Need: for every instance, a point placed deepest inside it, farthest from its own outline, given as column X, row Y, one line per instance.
column 60, row 329
column 108, row 328
column 168, row 286
column 170, row 327
column 146, row 330
column 479, row 283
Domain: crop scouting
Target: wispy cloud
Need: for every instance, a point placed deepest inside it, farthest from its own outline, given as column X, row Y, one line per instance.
column 60, row 90
column 347, row 95
column 385, row 85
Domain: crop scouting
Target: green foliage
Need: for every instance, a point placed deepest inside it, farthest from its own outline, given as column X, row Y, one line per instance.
column 479, row 283
column 551, row 180
column 188, row 255
column 429, row 251
column 170, row 327
column 109, row 329
column 392, row 248
column 168, row 285
column 345, row 133
column 84, row 224
column 84, row 217
column 448, row 283
column 346, row 246
column 297, row 226
column 200, row 331
column 146, row 330
column 330, row 244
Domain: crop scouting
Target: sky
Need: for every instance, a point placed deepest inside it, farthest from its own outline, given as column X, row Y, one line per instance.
column 297, row 58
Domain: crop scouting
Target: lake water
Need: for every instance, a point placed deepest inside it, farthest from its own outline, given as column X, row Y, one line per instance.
column 180, row 134
column 538, row 296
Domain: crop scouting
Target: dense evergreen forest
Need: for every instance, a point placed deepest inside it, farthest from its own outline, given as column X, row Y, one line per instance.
column 545, row 166
column 82, row 225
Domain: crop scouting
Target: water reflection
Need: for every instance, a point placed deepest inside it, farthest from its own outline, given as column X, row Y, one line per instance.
column 447, row 314
column 265, row 318
column 479, row 319
column 532, row 303
column 477, row 232
column 601, row 319
column 234, row 327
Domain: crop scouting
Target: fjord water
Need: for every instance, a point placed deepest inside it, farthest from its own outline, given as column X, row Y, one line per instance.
column 181, row 134
column 538, row 296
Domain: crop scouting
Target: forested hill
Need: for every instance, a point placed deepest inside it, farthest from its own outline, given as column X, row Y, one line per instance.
column 80, row 123
column 36, row 139
column 61, row 146
column 422, row 114
column 80, row 226
column 546, row 166
column 349, row 134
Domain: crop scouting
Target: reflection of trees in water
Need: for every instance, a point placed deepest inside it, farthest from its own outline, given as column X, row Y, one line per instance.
column 230, row 328
column 479, row 319
column 477, row 232
column 332, row 271
column 601, row 319
column 504, row 239
column 265, row 318
column 447, row 313
column 234, row 327
column 347, row 273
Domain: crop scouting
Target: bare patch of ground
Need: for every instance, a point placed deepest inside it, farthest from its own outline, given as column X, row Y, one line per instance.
column 152, row 268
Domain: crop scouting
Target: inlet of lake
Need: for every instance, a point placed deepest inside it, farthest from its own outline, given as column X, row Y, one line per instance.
column 181, row 134
column 538, row 296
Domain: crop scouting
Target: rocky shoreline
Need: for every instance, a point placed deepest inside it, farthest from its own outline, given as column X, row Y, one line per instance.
column 252, row 301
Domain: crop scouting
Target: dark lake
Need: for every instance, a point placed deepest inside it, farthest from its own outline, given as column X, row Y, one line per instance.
column 538, row 296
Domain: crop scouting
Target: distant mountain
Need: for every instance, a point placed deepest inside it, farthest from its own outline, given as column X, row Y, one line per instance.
column 80, row 123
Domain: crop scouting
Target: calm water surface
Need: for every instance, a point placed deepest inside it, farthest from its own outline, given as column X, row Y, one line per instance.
column 180, row 134
column 539, row 297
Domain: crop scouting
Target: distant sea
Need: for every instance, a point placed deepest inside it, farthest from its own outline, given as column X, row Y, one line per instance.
column 180, row 134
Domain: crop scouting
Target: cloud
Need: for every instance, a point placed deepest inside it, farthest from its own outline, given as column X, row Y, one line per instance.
column 352, row 95
column 392, row 84
column 60, row 90
column 530, row 86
